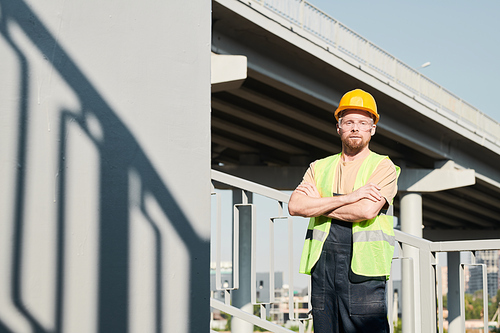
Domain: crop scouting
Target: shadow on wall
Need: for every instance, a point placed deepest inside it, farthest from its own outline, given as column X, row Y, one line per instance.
column 118, row 154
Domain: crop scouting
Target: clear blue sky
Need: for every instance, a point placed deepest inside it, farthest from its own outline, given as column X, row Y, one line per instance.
column 460, row 38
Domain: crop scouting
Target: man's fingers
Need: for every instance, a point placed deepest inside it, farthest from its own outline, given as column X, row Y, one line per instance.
column 372, row 185
column 370, row 191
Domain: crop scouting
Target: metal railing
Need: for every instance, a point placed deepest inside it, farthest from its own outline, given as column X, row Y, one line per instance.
column 249, row 209
column 429, row 282
column 306, row 17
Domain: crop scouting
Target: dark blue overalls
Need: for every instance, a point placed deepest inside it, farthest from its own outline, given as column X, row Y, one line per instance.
column 343, row 301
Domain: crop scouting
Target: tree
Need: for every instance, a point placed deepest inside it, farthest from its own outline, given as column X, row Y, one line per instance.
column 473, row 306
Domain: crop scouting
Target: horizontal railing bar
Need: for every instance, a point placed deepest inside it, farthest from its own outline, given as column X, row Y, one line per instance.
column 448, row 246
column 249, row 186
column 250, row 318
column 411, row 240
column 466, row 245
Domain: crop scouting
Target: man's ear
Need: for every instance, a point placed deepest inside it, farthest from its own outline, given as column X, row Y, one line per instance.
column 373, row 130
column 338, row 129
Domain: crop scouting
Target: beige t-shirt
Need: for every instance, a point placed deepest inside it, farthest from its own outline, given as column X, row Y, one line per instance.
column 346, row 172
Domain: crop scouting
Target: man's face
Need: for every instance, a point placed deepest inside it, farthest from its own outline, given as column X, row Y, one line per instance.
column 355, row 129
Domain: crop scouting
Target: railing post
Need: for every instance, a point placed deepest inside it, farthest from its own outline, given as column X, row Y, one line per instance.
column 336, row 34
column 428, row 290
column 439, row 273
column 302, row 4
column 395, row 69
column 242, row 296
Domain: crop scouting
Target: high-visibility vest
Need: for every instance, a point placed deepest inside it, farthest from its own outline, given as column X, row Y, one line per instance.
column 373, row 240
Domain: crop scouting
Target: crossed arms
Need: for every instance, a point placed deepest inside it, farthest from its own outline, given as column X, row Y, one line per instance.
column 362, row 204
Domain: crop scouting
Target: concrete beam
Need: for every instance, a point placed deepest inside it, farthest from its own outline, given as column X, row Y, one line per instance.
column 463, row 203
column 433, row 180
column 460, row 234
column 302, row 116
column 222, row 141
column 441, row 219
column 228, row 71
column 471, row 219
column 273, row 126
column 257, row 137
column 284, row 109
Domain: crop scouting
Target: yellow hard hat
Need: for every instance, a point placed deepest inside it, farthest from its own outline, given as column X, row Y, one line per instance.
column 358, row 100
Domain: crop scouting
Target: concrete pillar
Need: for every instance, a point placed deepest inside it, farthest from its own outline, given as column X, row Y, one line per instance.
column 411, row 223
column 411, row 183
column 105, row 159
column 241, row 298
column 454, row 322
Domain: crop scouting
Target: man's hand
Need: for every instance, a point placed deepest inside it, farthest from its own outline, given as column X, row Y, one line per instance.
column 308, row 189
column 362, row 204
column 306, row 201
column 370, row 191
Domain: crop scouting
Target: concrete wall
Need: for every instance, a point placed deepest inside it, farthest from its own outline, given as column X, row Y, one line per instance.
column 105, row 169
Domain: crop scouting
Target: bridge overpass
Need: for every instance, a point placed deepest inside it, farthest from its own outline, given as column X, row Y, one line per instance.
column 279, row 69
column 277, row 116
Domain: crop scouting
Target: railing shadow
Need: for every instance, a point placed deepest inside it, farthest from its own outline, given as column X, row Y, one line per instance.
column 118, row 154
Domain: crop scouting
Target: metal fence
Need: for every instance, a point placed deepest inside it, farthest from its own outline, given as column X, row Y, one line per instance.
column 429, row 302
column 304, row 16
column 431, row 284
column 246, row 210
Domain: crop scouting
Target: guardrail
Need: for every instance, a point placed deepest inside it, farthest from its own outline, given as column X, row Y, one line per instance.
column 429, row 282
column 305, row 16
column 246, row 211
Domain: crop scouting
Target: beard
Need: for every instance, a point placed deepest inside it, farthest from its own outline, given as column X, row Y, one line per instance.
column 355, row 144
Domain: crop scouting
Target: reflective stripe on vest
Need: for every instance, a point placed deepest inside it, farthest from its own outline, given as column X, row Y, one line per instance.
column 373, row 236
column 373, row 240
column 316, row 234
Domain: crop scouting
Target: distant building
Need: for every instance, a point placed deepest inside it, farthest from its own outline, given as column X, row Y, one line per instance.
column 263, row 290
column 491, row 259
column 226, row 279
column 278, row 311
column 262, row 283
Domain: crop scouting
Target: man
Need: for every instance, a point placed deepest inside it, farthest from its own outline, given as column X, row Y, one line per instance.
column 350, row 241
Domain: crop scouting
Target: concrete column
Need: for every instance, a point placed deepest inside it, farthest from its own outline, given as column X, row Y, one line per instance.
column 411, row 184
column 454, row 322
column 411, row 223
column 241, row 298
column 105, row 160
